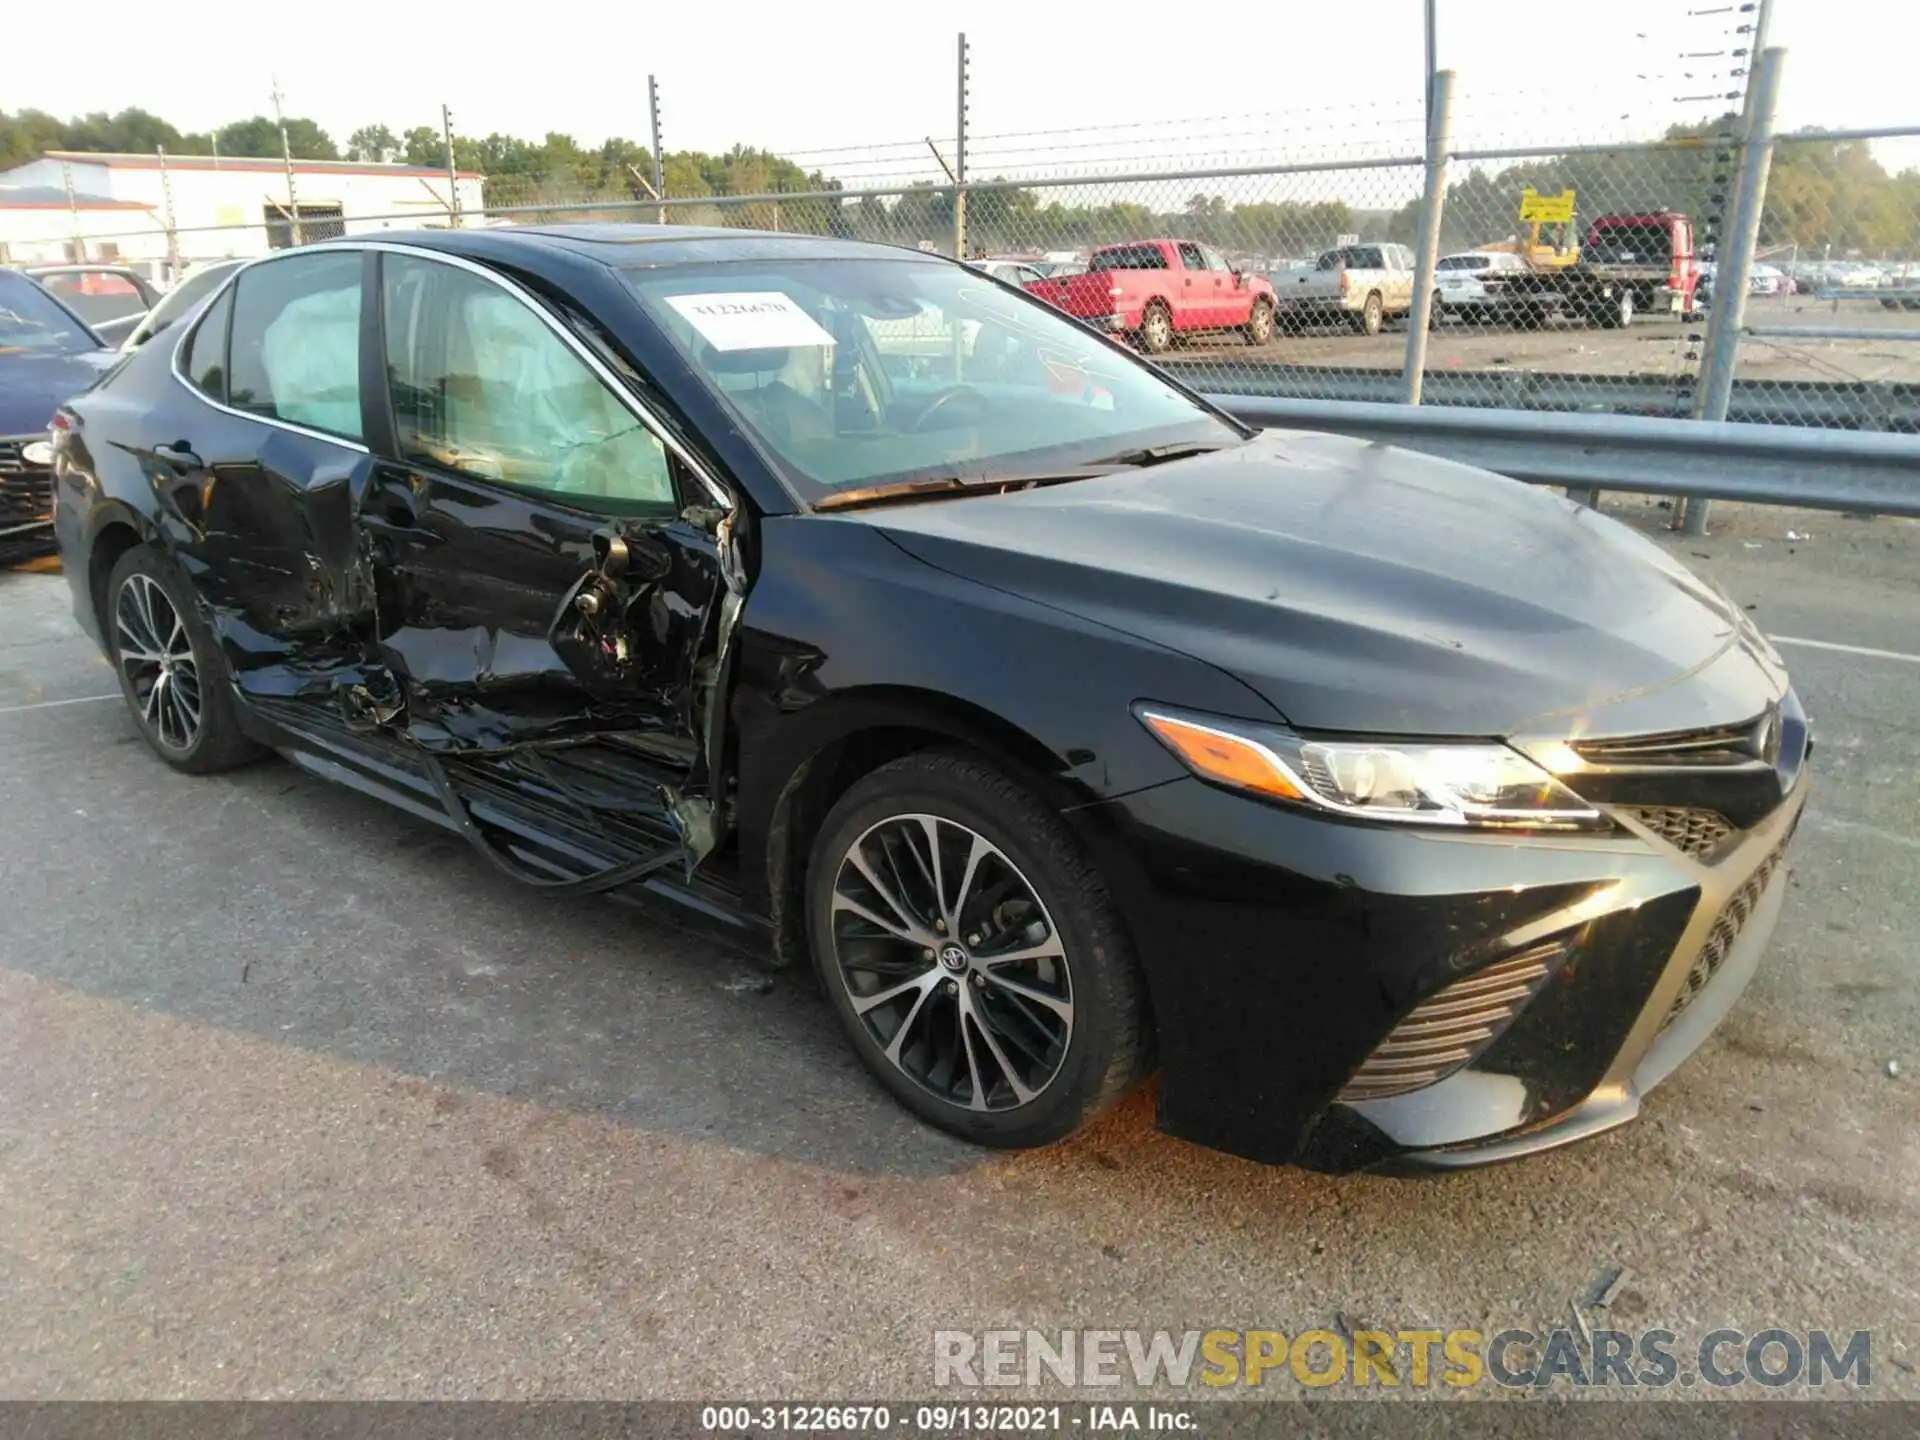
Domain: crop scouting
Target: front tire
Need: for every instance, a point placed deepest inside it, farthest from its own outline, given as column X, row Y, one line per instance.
column 1156, row 330
column 169, row 668
column 1260, row 324
column 973, row 954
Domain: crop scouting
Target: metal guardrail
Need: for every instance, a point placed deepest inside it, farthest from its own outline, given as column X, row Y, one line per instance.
column 1862, row 471
column 1833, row 405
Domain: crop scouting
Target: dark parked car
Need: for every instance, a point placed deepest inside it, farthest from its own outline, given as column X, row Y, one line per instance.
column 1398, row 812
column 47, row 353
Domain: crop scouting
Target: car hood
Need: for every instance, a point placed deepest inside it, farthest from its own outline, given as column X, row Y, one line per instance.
column 32, row 387
column 1366, row 588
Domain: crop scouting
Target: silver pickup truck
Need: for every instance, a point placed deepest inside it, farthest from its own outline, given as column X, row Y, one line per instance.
column 1367, row 284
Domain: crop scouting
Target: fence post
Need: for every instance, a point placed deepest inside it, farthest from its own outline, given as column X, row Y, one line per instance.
column 1433, row 206
column 166, row 202
column 960, row 162
column 453, row 171
column 1728, row 315
column 659, row 160
column 295, row 230
column 79, row 246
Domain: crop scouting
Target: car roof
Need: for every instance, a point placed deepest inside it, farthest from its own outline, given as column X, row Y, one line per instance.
column 621, row 245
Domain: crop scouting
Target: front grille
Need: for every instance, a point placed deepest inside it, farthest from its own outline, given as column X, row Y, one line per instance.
column 1453, row 1025
column 26, row 491
column 1703, row 834
column 1726, row 930
column 1740, row 744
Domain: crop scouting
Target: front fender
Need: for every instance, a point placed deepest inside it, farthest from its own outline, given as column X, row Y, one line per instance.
column 845, row 633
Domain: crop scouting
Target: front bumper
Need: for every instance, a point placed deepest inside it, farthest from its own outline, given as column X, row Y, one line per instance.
column 26, row 502
column 1286, row 954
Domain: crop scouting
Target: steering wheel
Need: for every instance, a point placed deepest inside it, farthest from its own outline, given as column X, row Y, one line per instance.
column 952, row 395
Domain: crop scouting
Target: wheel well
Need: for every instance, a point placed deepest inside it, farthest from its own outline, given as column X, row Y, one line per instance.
column 108, row 546
column 818, row 781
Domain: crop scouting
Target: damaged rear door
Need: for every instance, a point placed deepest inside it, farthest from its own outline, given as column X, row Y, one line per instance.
column 549, row 582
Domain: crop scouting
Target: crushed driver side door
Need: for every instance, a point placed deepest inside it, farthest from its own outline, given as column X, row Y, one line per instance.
column 550, row 585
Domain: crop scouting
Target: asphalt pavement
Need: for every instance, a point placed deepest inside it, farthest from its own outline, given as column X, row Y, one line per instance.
column 298, row 1098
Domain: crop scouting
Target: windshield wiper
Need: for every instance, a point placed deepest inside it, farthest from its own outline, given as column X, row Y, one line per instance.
column 942, row 486
column 1155, row 454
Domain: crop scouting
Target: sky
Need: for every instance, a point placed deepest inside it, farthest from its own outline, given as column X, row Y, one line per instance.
column 1223, row 83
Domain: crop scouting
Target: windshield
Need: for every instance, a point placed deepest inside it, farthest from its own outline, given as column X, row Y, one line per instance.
column 32, row 322
column 853, row 373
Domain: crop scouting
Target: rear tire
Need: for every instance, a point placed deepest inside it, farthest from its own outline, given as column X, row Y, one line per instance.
column 170, row 668
column 1156, row 329
column 1007, row 1052
column 1370, row 317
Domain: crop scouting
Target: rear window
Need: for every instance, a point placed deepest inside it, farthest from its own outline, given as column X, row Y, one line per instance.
column 97, row 295
column 1465, row 262
column 1129, row 257
column 1645, row 242
column 294, row 348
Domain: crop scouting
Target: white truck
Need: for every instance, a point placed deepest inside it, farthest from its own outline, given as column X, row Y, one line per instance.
column 1367, row 284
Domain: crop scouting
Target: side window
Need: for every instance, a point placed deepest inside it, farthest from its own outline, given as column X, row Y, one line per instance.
column 295, row 351
column 482, row 385
column 1191, row 257
column 205, row 359
column 1215, row 261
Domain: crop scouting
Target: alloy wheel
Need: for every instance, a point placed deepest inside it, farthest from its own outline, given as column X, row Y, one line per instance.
column 156, row 656
column 951, row 962
column 1158, row 330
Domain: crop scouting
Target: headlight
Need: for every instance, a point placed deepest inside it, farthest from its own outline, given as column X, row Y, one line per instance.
column 1407, row 782
column 37, row 452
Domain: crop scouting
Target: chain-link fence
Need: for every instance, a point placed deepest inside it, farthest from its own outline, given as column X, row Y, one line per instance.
column 1453, row 249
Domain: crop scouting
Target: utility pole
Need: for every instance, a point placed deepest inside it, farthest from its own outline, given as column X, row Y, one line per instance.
column 960, row 162
column 659, row 160
column 453, row 171
column 286, row 153
column 166, row 202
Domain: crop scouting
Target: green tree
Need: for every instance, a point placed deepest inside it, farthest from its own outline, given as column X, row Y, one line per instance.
column 372, row 142
column 260, row 137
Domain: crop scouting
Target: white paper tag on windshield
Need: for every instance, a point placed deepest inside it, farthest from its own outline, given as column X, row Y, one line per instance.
column 750, row 320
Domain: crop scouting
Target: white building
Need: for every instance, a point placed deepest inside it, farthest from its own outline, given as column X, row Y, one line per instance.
column 217, row 207
column 39, row 223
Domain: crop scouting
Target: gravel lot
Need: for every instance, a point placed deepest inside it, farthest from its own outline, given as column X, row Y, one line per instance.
column 1653, row 346
column 303, row 1100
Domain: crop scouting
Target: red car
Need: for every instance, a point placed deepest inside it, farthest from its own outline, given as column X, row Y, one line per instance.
column 1154, row 290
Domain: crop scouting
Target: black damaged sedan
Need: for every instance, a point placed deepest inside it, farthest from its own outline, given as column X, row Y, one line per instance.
column 1397, row 813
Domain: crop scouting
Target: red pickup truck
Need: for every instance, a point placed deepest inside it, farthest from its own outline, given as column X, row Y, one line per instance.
column 1155, row 289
